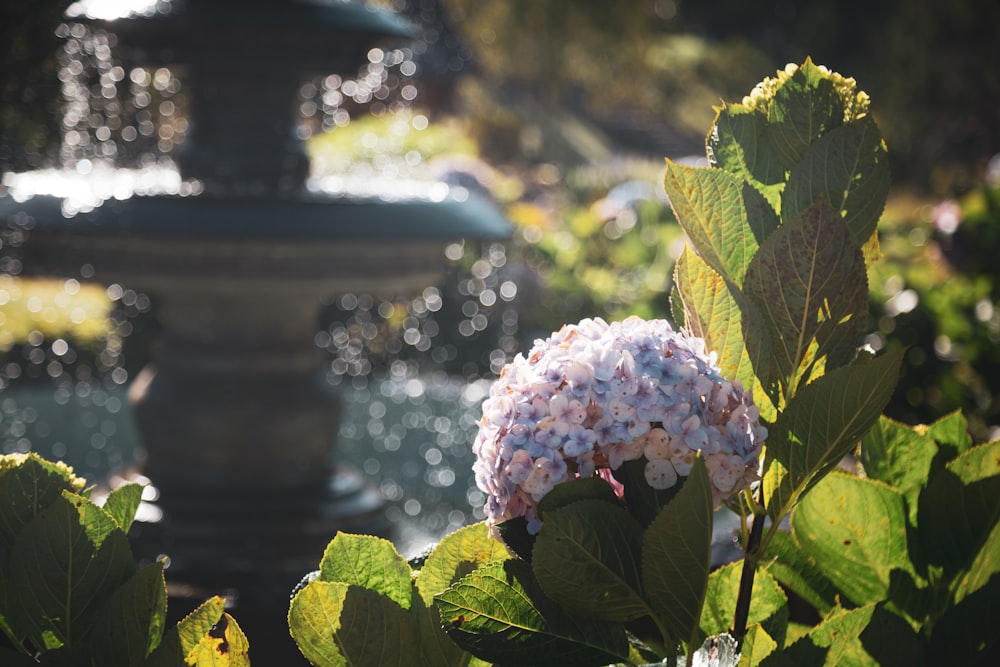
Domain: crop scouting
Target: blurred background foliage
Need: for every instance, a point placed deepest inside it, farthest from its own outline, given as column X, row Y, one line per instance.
column 562, row 111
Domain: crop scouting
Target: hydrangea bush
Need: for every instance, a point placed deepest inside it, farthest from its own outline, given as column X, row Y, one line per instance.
column 594, row 395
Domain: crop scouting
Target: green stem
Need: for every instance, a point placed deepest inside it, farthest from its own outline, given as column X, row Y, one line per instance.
column 750, row 559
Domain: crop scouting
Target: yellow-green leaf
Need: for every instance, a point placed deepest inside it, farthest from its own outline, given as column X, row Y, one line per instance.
column 370, row 562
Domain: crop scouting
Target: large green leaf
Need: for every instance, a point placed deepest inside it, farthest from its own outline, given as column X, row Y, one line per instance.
column 809, row 287
column 66, row 561
column 122, row 504
column 335, row 623
column 370, row 562
column 849, row 169
column 643, row 501
column 708, row 204
column 711, row 312
column 457, row 555
column 951, row 433
column 676, row 555
column 757, row 645
column 822, row 425
column 898, row 455
column 804, row 108
column 795, row 569
column 584, row 488
column 587, row 558
column 855, row 529
column 130, row 624
column 26, row 490
column 738, row 143
column 968, row 629
column 984, row 566
column 768, row 603
column 960, row 508
column 500, row 614
column 207, row 637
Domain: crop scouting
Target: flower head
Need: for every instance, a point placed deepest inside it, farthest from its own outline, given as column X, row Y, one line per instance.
column 595, row 395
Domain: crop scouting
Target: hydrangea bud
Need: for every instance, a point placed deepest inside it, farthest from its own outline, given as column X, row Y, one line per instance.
column 595, row 395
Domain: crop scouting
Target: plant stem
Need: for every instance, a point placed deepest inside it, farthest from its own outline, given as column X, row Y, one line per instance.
column 746, row 580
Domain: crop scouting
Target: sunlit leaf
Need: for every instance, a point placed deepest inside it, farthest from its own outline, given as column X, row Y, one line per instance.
column 898, row 455
column 334, row 624
column 587, row 558
column 709, row 206
column 457, row 555
column 951, row 433
column 712, row 313
column 823, row 424
column 676, row 555
column 803, row 109
column 757, row 645
column 500, row 614
column 370, row 562
column 849, row 168
column 809, row 287
column 224, row 645
column 855, row 529
column 122, row 504
column 768, row 604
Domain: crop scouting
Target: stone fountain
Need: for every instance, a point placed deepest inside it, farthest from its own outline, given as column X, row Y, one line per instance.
column 235, row 416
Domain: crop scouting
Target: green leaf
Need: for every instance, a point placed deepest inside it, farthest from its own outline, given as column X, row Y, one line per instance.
column 11, row 658
column 436, row 647
column 457, row 555
column 967, row 630
column 899, row 456
column 370, row 562
column 822, row 424
column 500, row 614
column 795, row 569
column 712, row 313
column 985, row 565
column 761, row 212
column 738, row 143
column 708, row 204
column 587, row 557
column 643, row 501
column 951, row 433
column 130, row 624
column 848, row 168
column 224, row 645
column 181, row 642
column 66, row 561
column 335, row 623
column 767, row 603
column 855, row 529
column 26, row 490
column 809, row 287
column 584, row 488
column 960, row 508
column 803, row 109
column 757, row 645
column 676, row 555
column 122, row 504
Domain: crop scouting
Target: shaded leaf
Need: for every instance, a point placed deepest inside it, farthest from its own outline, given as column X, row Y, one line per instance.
column 951, row 433
column 500, row 614
column 968, row 629
column 804, row 108
column 436, row 647
column 370, row 562
column 130, row 624
column 795, row 569
column 122, row 504
column 182, row 640
column 849, row 168
column 823, row 424
column 643, row 501
column 584, row 488
column 708, row 204
column 960, row 508
column 66, row 561
column 767, row 603
column 738, row 143
column 676, row 555
column 587, row 558
column 334, row 623
column 898, row 455
column 809, row 287
column 855, row 529
column 984, row 566
column 28, row 489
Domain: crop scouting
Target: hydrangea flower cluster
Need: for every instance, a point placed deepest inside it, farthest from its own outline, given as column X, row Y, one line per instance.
column 594, row 395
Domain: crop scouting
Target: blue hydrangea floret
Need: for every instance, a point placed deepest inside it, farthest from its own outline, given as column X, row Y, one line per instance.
column 594, row 395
